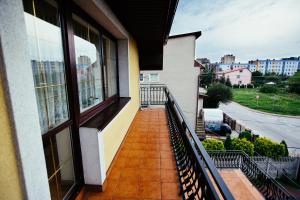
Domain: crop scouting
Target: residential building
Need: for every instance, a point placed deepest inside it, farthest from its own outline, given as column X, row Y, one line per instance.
column 285, row 66
column 228, row 59
column 179, row 72
column 238, row 76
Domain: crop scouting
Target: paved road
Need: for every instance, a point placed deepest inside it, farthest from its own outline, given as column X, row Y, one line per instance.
column 273, row 127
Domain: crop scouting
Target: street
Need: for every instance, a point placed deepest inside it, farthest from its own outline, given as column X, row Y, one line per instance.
column 274, row 127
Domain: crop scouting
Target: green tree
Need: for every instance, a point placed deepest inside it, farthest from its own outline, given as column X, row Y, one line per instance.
column 228, row 82
column 244, row 145
column 228, row 143
column 213, row 145
column 294, row 83
column 222, row 80
column 217, row 93
column 246, row 134
column 207, row 77
column 286, row 151
column 257, row 78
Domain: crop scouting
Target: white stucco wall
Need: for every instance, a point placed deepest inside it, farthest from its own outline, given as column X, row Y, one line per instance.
column 179, row 74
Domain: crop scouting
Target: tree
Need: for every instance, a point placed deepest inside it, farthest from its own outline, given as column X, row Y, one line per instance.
column 246, row 134
column 222, row 80
column 206, row 77
column 228, row 143
column 228, row 82
column 294, row 83
column 217, row 93
column 286, row 151
column 257, row 78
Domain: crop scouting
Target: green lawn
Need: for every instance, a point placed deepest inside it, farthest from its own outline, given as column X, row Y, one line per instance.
column 280, row 103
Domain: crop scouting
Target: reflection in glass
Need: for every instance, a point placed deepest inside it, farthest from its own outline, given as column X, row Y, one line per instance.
column 89, row 75
column 47, row 62
column 110, row 66
column 59, row 159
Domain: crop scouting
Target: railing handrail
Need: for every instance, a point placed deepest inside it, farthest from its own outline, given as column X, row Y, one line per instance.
column 254, row 163
column 206, row 158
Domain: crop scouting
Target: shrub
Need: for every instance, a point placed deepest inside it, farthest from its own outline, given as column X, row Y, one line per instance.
column 244, row 145
column 246, row 134
column 266, row 147
column 268, row 89
column 286, row 151
column 228, row 82
column 213, row 144
column 217, row 93
column 228, row 143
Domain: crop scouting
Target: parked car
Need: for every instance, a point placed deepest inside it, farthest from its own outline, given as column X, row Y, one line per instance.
column 220, row 129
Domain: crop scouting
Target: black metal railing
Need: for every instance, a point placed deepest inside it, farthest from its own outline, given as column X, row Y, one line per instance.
column 198, row 176
column 152, row 94
column 267, row 185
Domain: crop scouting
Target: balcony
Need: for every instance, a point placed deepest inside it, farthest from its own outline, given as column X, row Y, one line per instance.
column 161, row 158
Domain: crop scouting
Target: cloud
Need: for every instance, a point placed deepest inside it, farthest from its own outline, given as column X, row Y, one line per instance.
column 248, row 29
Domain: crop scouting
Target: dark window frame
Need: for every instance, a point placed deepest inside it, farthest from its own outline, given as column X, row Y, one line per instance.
column 76, row 119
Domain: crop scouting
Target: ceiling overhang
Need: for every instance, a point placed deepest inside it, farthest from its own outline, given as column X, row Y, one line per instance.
column 149, row 22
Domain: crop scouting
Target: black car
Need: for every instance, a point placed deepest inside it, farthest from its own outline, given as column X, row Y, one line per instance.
column 220, row 129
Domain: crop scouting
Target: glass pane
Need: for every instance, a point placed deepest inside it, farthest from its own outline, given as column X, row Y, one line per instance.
column 47, row 61
column 59, row 160
column 110, row 66
column 89, row 73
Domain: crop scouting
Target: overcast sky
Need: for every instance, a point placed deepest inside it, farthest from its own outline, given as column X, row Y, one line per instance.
column 249, row 29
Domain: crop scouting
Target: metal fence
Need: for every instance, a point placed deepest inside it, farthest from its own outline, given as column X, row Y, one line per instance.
column 267, row 185
column 152, row 94
column 197, row 173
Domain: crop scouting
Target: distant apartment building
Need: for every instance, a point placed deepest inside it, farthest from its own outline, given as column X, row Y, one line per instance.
column 238, row 76
column 179, row 72
column 285, row 66
column 228, row 59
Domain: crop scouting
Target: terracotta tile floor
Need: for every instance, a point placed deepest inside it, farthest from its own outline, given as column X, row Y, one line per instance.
column 240, row 187
column 145, row 167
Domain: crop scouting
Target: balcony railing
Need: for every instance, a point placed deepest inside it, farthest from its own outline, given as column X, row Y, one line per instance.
column 198, row 176
column 151, row 94
column 267, row 185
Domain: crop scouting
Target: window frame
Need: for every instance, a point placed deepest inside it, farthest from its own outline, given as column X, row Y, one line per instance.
column 93, row 110
column 151, row 80
column 77, row 119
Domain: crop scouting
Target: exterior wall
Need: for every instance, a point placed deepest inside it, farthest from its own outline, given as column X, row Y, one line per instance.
column 245, row 77
column 179, row 74
column 9, row 175
column 17, row 80
column 115, row 132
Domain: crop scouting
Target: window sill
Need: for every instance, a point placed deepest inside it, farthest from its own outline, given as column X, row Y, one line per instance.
column 104, row 117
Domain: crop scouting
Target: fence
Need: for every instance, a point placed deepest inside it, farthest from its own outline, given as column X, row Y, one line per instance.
column 267, row 185
column 151, row 94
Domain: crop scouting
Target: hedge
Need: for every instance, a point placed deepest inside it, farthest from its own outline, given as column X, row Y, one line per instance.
column 244, row 145
column 266, row 147
column 213, row 144
column 246, row 134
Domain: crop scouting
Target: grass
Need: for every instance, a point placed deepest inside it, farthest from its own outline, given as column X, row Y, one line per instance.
column 279, row 103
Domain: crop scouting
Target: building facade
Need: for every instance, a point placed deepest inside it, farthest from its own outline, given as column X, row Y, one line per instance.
column 238, row 76
column 69, row 89
column 179, row 73
column 228, row 59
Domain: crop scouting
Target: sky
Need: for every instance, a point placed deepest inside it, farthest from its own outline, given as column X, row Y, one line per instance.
column 249, row 29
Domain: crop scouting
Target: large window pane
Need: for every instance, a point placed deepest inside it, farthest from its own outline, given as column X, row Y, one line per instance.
column 110, row 66
column 59, row 159
column 89, row 73
column 46, row 54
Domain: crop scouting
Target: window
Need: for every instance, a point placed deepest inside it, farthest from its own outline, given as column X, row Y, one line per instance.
column 47, row 61
column 153, row 77
column 238, row 76
column 141, row 77
column 110, row 66
column 88, row 64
